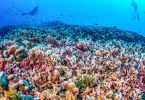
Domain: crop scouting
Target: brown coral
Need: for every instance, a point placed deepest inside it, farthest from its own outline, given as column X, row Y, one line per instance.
column 52, row 41
column 83, row 46
column 12, row 49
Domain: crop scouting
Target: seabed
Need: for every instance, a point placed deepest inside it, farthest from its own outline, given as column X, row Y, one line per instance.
column 72, row 62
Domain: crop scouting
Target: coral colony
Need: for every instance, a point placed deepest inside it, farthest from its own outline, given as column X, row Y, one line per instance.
column 70, row 62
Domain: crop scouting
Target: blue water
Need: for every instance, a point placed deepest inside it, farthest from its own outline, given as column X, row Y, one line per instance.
column 83, row 12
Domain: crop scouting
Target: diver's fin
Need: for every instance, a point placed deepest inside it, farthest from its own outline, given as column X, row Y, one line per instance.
column 138, row 18
column 134, row 17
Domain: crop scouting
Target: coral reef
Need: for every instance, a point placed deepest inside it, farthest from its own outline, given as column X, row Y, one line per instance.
column 71, row 62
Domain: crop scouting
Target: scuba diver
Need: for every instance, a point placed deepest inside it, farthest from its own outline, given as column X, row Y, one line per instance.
column 135, row 7
column 33, row 12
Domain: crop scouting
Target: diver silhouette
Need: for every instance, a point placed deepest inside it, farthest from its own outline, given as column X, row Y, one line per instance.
column 33, row 12
column 135, row 7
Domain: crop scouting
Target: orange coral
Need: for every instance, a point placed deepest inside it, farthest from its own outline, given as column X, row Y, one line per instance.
column 12, row 49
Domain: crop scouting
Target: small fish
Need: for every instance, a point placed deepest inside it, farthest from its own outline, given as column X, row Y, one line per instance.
column 33, row 12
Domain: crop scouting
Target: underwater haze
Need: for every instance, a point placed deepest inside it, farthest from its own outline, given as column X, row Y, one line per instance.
column 72, row 49
column 118, row 13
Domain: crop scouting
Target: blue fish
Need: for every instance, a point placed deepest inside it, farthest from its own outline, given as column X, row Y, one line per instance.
column 33, row 12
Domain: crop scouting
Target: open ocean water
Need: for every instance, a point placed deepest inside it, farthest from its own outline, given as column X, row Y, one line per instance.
column 83, row 12
column 72, row 50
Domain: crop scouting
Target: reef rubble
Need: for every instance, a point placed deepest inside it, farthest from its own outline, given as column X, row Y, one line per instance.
column 71, row 62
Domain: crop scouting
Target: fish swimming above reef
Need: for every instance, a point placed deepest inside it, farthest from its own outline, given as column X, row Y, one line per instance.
column 135, row 7
column 33, row 12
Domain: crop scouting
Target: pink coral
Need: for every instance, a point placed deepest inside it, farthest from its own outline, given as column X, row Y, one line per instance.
column 26, row 63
